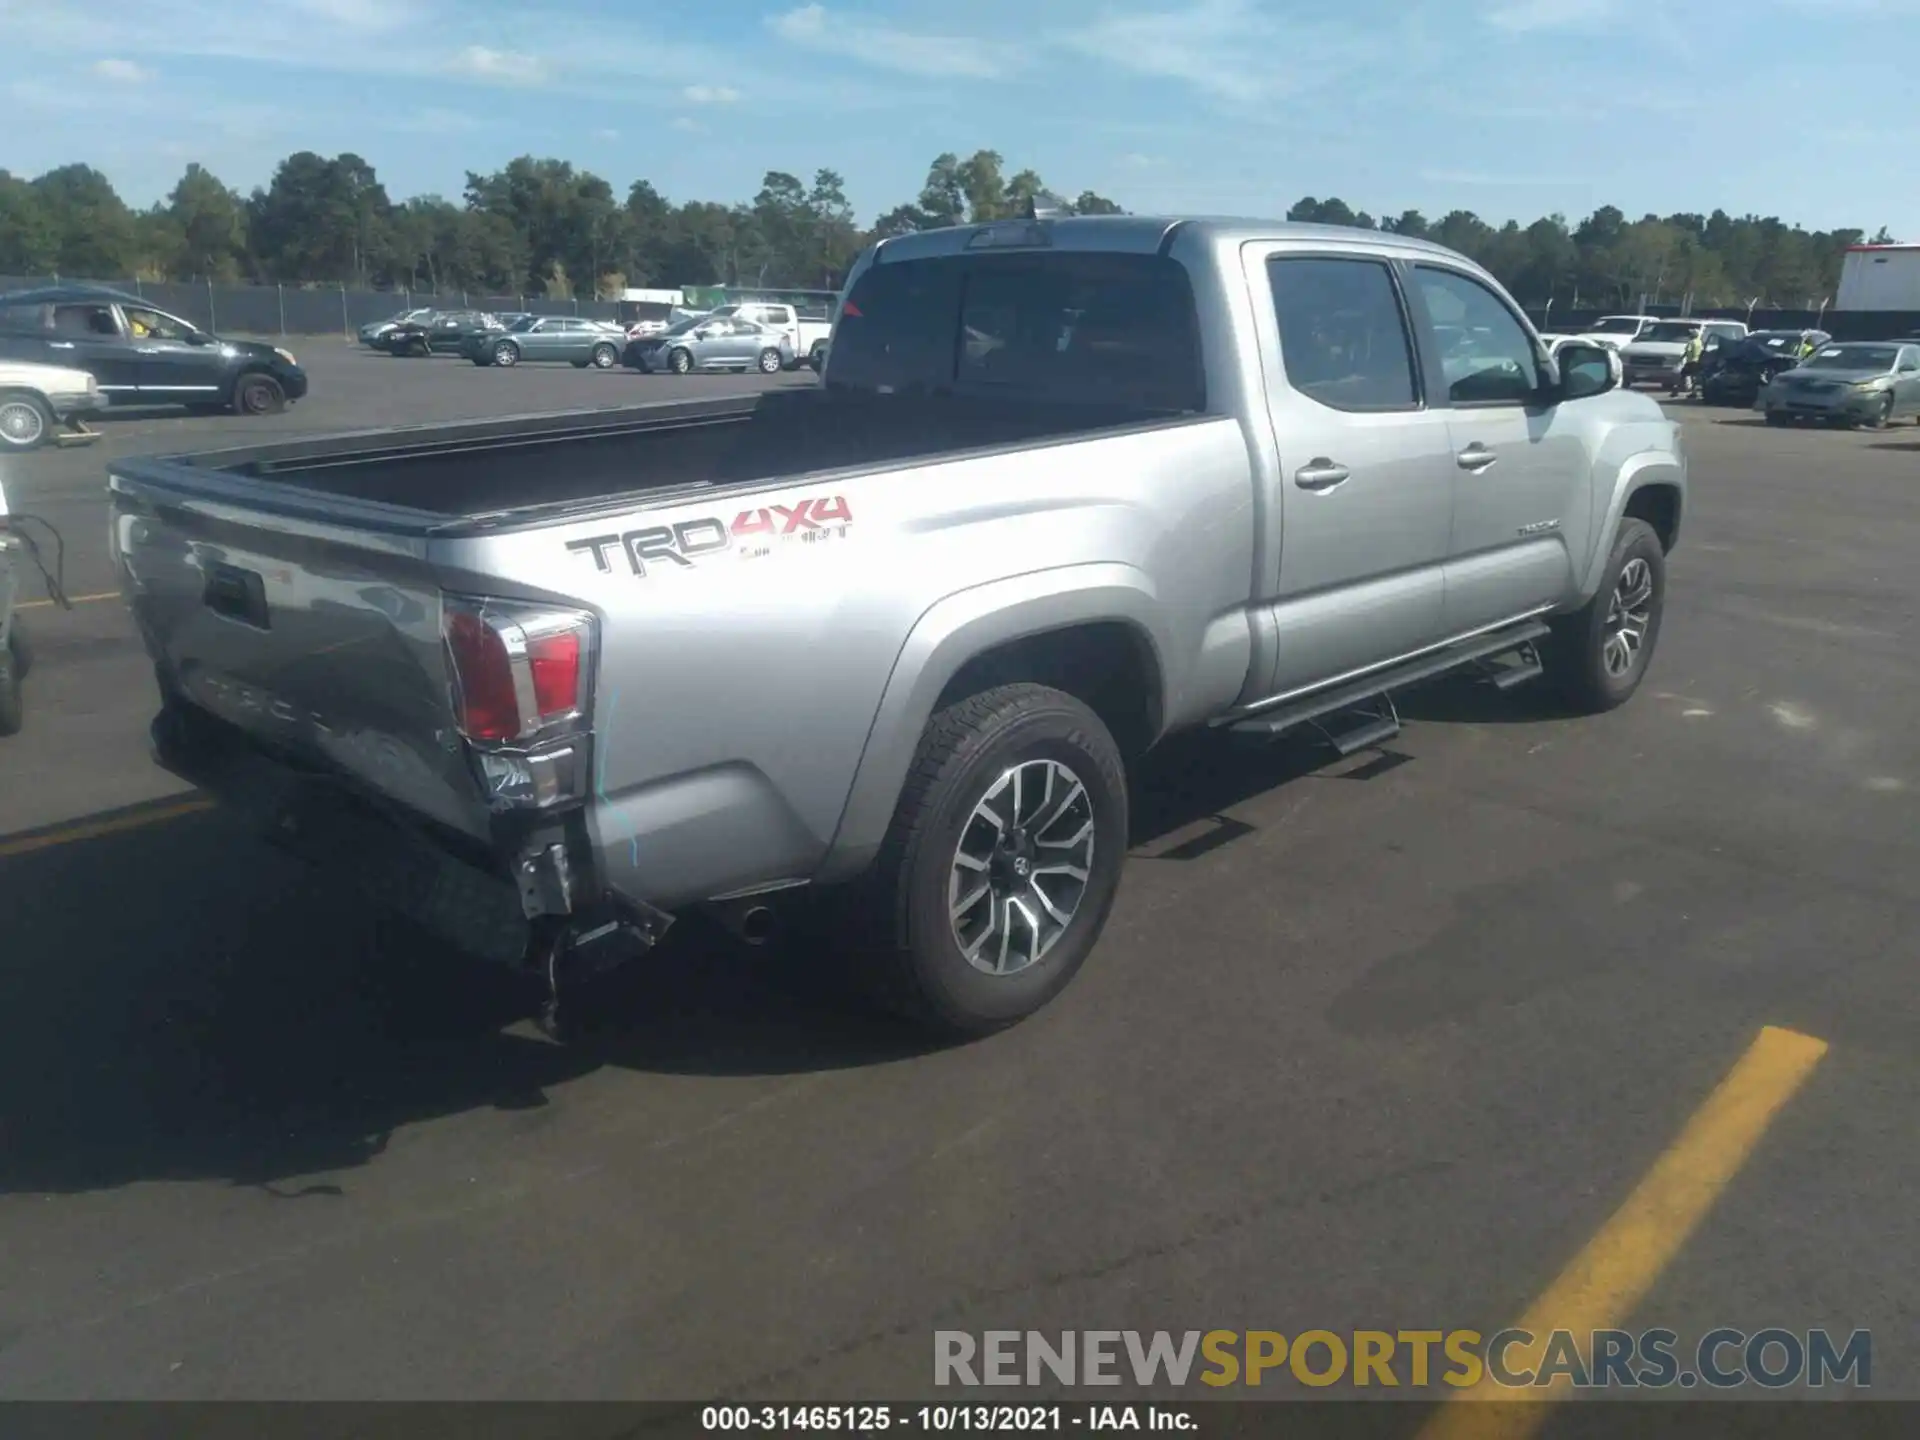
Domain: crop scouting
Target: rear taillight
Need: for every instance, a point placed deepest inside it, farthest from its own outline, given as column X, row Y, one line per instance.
column 522, row 682
column 520, row 672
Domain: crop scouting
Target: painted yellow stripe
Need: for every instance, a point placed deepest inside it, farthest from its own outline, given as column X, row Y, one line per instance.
column 1605, row 1281
column 94, row 829
column 76, row 599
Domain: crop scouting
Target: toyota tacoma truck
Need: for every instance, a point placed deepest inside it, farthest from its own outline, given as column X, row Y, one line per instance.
column 897, row 640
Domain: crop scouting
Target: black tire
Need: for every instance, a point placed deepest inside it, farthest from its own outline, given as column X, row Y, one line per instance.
column 506, row 354
column 1778, row 417
column 1884, row 416
column 1582, row 658
column 12, row 706
column 769, row 362
column 22, row 652
column 604, row 357
column 25, row 421
column 679, row 361
column 911, row 960
column 255, row 393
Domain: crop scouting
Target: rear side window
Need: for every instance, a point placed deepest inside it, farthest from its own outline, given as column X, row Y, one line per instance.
column 18, row 318
column 1343, row 335
column 95, row 320
column 1064, row 326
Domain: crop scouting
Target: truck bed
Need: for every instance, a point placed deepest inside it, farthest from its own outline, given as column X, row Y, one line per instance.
column 563, row 461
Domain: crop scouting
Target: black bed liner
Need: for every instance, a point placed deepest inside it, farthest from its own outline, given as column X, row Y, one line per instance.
column 488, row 467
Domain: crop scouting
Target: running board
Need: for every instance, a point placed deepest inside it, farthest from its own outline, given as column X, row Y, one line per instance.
column 1377, row 687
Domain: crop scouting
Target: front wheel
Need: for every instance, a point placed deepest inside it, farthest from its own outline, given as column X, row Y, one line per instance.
column 506, row 355
column 1002, row 861
column 25, row 421
column 1883, row 416
column 257, row 394
column 605, row 357
column 680, row 362
column 1598, row 655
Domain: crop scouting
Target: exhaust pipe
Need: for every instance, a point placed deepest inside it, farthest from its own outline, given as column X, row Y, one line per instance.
column 749, row 921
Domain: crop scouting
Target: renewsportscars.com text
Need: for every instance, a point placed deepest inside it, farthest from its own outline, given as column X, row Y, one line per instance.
column 1414, row 1359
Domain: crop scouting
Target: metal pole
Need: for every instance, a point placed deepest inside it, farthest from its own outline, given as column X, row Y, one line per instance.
column 213, row 319
column 345, row 327
column 280, row 293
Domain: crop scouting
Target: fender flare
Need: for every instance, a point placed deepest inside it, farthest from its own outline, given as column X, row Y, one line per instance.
column 949, row 634
column 1637, row 472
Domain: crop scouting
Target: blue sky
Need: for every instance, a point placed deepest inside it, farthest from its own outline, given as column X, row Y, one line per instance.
column 1801, row 108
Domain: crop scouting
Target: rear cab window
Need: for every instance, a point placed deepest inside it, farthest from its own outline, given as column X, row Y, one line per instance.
column 1344, row 340
column 1068, row 326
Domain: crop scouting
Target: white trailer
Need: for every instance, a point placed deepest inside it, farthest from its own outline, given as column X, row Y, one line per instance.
column 1880, row 278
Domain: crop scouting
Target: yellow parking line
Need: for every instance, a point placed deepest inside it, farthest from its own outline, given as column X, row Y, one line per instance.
column 1605, row 1281
column 75, row 599
column 93, row 829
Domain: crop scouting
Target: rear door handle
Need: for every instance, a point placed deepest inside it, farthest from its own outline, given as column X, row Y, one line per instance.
column 1476, row 457
column 1321, row 474
column 60, row 344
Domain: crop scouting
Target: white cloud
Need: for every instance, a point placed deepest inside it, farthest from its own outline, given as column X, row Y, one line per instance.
column 606, row 134
column 688, row 126
column 1484, row 178
column 814, row 27
column 1229, row 50
column 499, row 67
column 710, row 94
column 1137, row 161
column 122, row 72
column 1524, row 17
column 371, row 16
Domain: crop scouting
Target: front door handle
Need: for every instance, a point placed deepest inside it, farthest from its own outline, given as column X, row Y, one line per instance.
column 1476, row 457
column 1321, row 474
column 60, row 344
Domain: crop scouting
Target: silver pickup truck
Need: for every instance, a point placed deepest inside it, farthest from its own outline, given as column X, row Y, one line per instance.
column 1064, row 488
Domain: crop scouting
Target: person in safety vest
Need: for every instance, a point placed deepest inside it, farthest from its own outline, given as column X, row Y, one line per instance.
column 1689, row 376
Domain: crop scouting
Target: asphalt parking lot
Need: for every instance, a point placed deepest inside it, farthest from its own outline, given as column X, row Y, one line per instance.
column 1381, row 1043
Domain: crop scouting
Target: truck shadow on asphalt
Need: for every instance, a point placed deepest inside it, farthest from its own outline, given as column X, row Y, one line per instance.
column 180, row 1002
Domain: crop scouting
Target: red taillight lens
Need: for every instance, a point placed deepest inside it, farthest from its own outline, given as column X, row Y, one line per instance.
column 489, row 707
column 555, row 663
column 520, row 671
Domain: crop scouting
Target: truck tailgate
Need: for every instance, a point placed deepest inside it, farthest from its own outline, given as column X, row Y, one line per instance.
column 321, row 641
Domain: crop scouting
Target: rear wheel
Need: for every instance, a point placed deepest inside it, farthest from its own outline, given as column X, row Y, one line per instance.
column 1777, row 417
column 1002, row 861
column 257, row 394
column 605, row 357
column 1598, row 655
column 680, row 362
column 25, row 421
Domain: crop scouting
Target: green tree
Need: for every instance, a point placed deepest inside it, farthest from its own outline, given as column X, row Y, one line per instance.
column 210, row 222
column 28, row 244
column 321, row 219
column 94, row 233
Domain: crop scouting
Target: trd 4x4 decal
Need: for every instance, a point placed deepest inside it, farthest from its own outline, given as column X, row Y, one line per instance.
column 750, row 535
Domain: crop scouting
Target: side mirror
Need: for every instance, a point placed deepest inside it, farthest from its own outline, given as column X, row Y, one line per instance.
column 199, row 337
column 1587, row 370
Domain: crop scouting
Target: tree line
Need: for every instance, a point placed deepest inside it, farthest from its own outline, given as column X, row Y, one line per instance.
column 539, row 226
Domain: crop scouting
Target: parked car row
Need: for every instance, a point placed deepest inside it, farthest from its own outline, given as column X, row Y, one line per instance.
column 749, row 335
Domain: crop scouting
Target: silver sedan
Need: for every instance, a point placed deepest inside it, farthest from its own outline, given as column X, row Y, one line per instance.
column 713, row 343
column 1853, row 383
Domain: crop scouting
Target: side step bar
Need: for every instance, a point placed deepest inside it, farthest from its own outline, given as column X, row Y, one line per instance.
column 1382, row 722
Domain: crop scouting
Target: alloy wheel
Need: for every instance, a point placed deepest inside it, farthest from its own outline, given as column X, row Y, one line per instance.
column 1629, row 615
column 21, row 423
column 1021, row 867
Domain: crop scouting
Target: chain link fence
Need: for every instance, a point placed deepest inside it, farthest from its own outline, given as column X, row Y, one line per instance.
column 306, row 309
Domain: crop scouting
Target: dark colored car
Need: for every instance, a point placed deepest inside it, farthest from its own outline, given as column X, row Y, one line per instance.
column 142, row 356
column 1738, row 371
column 445, row 332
